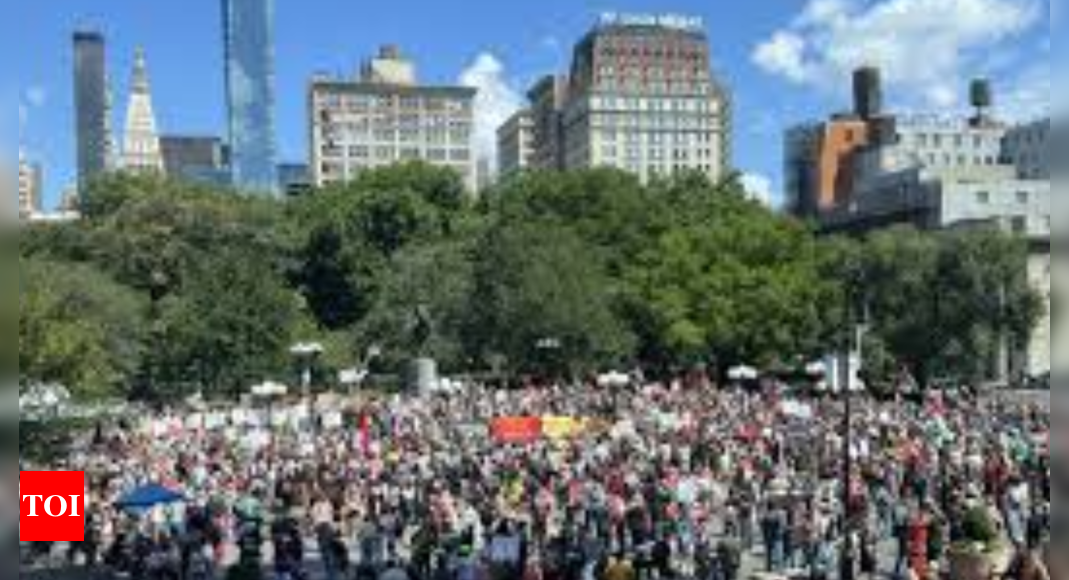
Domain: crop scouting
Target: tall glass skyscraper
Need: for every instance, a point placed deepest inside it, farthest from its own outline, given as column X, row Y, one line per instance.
column 248, row 29
column 91, row 108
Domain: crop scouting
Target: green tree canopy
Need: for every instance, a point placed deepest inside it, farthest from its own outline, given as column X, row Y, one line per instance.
column 78, row 328
column 544, row 302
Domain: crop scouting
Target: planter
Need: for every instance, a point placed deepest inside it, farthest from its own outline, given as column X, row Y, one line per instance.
column 969, row 564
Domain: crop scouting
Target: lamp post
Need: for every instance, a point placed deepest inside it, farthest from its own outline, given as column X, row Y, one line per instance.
column 858, row 311
column 306, row 354
column 546, row 348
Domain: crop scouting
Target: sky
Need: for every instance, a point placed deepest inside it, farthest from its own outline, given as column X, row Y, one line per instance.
column 786, row 61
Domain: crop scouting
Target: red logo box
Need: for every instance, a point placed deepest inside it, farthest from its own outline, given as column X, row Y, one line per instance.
column 52, row 506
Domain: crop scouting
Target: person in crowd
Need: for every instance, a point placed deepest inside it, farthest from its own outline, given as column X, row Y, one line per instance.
column 675, row 481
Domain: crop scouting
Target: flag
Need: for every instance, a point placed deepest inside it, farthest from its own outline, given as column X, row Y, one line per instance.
column 365, row 435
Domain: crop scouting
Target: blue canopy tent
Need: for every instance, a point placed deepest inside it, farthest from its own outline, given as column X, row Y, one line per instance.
column 147, row 497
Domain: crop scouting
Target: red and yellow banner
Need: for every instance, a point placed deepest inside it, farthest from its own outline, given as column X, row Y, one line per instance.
column 517, row 430
column 557, row 428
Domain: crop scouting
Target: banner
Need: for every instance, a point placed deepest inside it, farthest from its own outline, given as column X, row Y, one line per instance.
column 557, row 428
column 518, row 430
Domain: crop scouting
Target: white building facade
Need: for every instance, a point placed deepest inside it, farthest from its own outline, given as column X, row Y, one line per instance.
column 30, row 186
column 384, row 118
column 641, row 96
column 515, row 144
column 141, row 151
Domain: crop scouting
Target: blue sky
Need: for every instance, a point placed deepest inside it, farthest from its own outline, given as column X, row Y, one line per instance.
column 786, row 60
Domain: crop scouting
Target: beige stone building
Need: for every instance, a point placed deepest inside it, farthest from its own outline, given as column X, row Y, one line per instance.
column 515, row 144
column 641, row 96
column 30, row 183
column 385, row 117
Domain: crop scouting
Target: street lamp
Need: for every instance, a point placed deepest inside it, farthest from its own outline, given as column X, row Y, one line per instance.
column 306, row 354
column 858, row 312
column 546, row 347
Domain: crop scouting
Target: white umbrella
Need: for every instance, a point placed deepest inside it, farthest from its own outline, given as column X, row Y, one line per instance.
column 614, row 379
column 743, row 373
column 269, row 389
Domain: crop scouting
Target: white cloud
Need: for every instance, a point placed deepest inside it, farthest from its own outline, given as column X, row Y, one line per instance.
column 497, row 100
column 759, row 187
column 925, row 47
column 784, row 55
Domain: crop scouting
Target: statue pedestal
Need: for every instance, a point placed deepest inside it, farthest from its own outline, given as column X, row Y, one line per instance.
column 421, row 375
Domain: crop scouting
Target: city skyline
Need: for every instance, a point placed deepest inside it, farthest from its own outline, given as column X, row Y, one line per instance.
column 766, row 52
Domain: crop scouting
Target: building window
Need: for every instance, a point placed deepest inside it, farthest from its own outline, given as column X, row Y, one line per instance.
column 1022, row 197
column 983, row 197
column 1019, row 225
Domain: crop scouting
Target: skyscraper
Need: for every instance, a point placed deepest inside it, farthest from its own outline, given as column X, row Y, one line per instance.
column 90, row 106
column 248, row 39
column 141, row 142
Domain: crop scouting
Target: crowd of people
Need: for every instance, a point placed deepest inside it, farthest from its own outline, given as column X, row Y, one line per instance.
column 676, row 481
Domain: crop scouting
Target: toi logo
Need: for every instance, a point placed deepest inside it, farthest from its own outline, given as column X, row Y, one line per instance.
column 52, row 506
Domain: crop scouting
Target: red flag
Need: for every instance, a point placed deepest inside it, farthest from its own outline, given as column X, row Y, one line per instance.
column 365, row 435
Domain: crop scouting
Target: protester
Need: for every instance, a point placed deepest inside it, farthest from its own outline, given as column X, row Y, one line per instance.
column 655, row 481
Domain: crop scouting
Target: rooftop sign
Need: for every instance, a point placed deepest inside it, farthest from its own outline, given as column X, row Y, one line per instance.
column 675, row 21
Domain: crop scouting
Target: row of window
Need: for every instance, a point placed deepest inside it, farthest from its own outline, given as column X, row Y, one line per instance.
column 656, row 139
column 1019, row 197
column 386, row 121
column 363, row 103
column 362, row 153
column 656, row 154
column 695, row 86
column 652, row 49
column 390, row 152
column 461, row 135
column 665, row 169
column 948, row 160
column 654, row 123
column 958, row 141
column 1025, row 137
column 653, row 105
column 653, row 73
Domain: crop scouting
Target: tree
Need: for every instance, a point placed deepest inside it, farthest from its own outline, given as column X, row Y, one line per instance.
column 78, row 328
column 940, row 302
column 424, row 285
column 730, row 280
column 231, row 328
column 543, row 302
column 351, row 232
